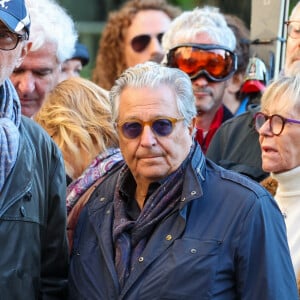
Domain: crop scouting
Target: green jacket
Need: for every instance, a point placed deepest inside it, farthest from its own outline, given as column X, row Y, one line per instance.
column 34, row 250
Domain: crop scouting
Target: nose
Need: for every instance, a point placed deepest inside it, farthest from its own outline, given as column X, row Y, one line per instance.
column 148, row 138
column 200, row 81
column 155, row 46
column 265, row 129
column 24, row 83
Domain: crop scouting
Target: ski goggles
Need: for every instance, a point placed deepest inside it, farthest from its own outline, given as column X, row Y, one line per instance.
column 216, row 62
column 162, row 126
column 141, row 42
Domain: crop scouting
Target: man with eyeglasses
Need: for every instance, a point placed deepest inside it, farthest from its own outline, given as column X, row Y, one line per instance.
column 235, row 145
column 171, row 224
column 132, row 35
column 33, row 252
column 200, row 43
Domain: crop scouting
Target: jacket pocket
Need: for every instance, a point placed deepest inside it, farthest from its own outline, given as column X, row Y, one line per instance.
column 190, row 267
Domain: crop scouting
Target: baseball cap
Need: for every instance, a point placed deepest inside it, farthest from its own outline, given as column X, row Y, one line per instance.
column 14, row 15
column 81, row 53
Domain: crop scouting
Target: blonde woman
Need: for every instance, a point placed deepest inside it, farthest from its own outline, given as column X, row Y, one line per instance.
column 77, row 115
column 278, row 126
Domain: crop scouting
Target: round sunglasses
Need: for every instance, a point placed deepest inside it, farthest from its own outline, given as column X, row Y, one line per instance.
column 216, row 62
column 162, row 126
column 141, row 42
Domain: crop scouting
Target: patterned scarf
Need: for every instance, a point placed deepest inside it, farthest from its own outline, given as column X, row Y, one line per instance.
column 130, row 236
column 10, row 119
column 98, row 168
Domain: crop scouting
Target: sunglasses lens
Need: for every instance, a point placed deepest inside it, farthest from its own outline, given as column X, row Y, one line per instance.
column 132, row 130
column 162, row 127
column 140, row 42
column 217, row 64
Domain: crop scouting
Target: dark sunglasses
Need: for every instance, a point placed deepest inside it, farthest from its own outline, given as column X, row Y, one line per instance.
column 216, row 62
column 161, row 126
column 141, row 42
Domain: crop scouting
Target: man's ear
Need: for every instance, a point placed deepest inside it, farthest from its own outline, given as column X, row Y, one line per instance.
column 25, row 49
column 192, row 126
column 234, row 83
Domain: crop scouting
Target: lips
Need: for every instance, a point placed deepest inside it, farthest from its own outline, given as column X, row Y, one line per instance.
column 268, row 149
column 26, row 101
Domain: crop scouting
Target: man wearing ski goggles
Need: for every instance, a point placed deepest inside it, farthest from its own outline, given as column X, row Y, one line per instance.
column 201, row 44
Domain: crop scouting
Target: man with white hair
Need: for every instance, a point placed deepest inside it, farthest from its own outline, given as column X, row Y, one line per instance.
column 201, row 44
column 53, row 37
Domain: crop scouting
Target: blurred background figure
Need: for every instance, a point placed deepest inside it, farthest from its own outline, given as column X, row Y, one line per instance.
column 232, row 96
column 53, row 37
column 235, row 145
column 200, row 43
column 132, row 35
column 77, row 115
column 72, row 67
column 254, row 84
column 278, row 125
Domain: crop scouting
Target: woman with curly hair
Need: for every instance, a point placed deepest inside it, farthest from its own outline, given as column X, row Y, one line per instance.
column 132, row 35
column 77, row 115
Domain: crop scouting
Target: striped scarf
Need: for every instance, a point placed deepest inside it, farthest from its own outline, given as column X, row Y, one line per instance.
column 10, row 119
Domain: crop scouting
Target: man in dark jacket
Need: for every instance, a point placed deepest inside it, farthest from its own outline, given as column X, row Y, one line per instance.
column 171, row 224
column 33, row 253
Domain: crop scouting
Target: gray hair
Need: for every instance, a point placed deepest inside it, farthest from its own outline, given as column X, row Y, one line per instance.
column 51, row 23
column 285, row 92
column 153, row 75
column 189, row 24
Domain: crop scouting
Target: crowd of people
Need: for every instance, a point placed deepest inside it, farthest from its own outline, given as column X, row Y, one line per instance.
column 170, row 174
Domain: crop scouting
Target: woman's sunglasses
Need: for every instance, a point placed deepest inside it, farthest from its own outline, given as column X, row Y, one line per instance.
column 162, row 126
column 141, row 42
column 216, row 62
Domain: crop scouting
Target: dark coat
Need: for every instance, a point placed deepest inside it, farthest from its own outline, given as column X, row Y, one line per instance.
column 235, row 146
column 227, row 241
column 33, row 252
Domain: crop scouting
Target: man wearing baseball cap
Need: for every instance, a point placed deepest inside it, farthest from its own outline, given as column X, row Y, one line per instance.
column 33, row 253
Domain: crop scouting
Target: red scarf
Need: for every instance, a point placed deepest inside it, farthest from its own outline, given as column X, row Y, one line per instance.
column 216, row 123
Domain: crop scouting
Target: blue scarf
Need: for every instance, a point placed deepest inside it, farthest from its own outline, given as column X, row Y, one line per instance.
column 10, row 119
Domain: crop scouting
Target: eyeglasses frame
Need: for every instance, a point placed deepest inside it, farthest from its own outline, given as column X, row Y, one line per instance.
column 20, row 37
column 287, row 23
column 284, row 121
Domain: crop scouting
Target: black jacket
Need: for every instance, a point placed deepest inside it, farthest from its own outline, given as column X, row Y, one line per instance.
column 235, row 146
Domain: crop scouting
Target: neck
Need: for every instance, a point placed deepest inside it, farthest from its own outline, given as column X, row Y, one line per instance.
column 204, row 119
column 141, row 193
